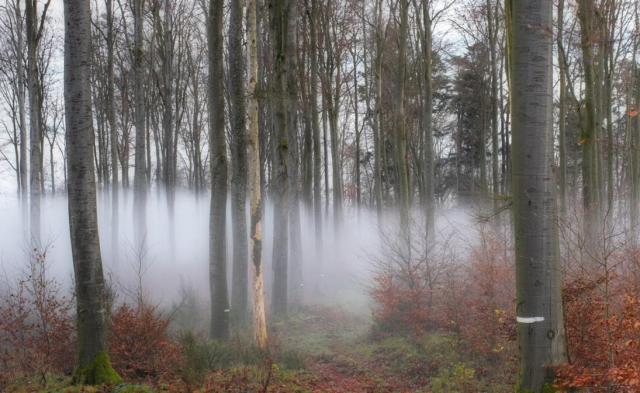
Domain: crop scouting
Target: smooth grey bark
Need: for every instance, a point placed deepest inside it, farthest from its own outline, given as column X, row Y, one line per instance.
column 541, row 340
column 239, row 140
column 83, row 216
column 279, row 27
column 219, row 328
column 140, row 160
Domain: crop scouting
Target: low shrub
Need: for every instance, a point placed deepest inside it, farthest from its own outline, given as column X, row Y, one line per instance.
column 37, row 330
column 140, row 346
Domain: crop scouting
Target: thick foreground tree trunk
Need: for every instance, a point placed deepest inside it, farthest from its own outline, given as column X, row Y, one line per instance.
column 93, row 360
column 541, row 337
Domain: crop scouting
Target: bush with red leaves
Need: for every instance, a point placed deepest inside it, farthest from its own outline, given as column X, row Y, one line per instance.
column 401, row 306
column 473, row 298
column 140, row 346
column 603, row 337
column 37, row 331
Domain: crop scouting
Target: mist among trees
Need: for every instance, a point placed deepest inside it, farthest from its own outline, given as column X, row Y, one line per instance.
column 320, row 196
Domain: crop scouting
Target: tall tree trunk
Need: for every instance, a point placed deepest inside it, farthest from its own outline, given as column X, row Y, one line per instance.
column 562, row 111
column 401, row 132
column 93, row 361
column 166, row 53
column 218, row 213
column 429, row 192
column 279, row 27
column 377, row 129
column 307, row 143
column 21, row 101
column 239, row 288
column 540, row 326
column 34, row 33
column 315, row 125
column 111, row 116
column 295, row 229
column 493, row 59
column 590, row 125
column 140, row 170
column 255, row 243
column 633, row 130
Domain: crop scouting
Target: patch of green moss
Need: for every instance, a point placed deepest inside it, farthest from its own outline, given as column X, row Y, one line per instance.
column 98, row 372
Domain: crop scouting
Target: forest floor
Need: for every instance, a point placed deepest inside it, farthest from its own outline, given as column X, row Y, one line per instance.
column 321, row 349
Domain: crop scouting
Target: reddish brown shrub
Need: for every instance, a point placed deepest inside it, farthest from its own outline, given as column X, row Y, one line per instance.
column 603, row 337
column 399, row 304
column 140, row 345
column 37, row 332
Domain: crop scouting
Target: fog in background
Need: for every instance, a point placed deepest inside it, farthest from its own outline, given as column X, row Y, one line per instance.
column 339, row 276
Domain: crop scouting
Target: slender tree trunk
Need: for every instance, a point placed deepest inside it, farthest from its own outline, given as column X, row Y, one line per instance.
column 34, row 88
column 325, row 155
column 217, row 221
column 295, row 229
column 93, row 361
column 401, row 132
column 357, row 132
column 633, row 127
column 111, row 116
column 166, row 54
column 493, row 59
column 307, row 143
column 315, row 125
column 21, row 101
column 239, row 289
column 429, row 194
column 540, row 326
column 588, row 140
column 279, row 26
column 562, row 111
column 255, row 242
column 377, row 129
column 140, row 170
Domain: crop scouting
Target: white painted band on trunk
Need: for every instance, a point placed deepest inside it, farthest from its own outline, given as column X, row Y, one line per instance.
column 529, row 319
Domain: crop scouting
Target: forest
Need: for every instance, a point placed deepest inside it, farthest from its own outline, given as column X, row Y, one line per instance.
column 339, row 196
